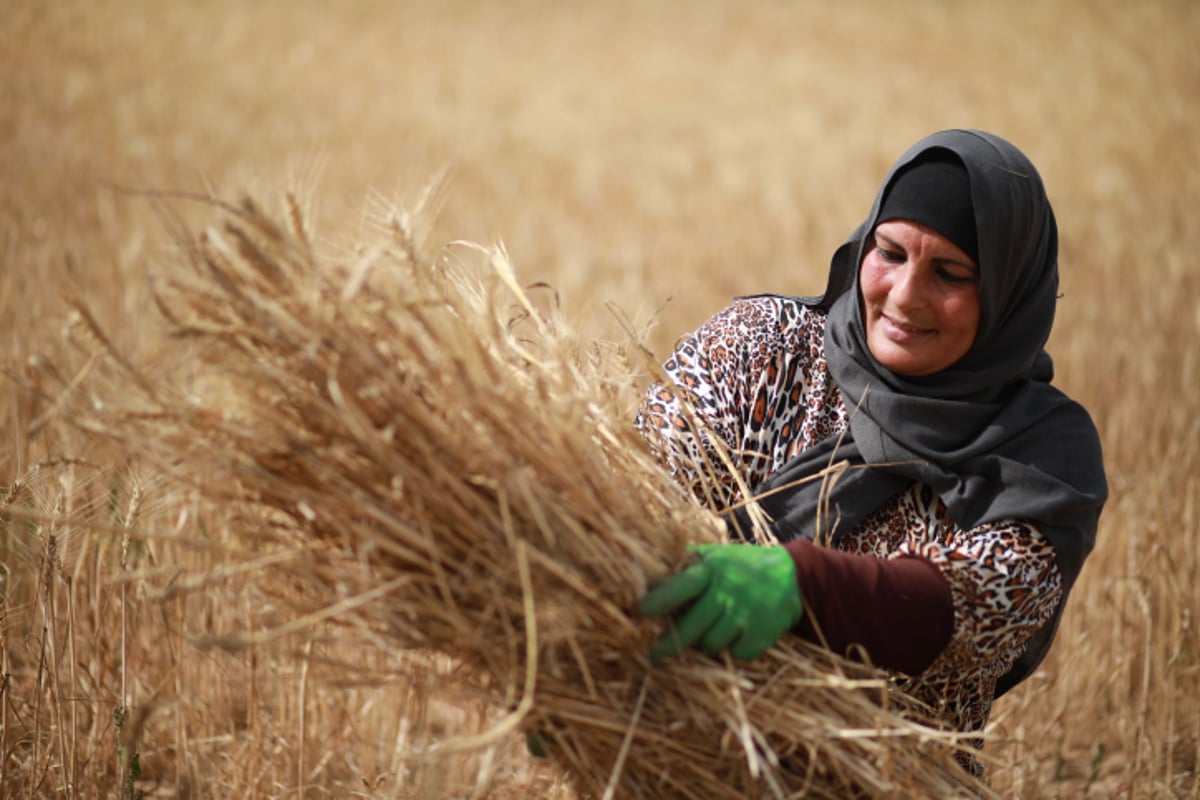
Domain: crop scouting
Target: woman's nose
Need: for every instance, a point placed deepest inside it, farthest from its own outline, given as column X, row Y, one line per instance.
column 907, row 289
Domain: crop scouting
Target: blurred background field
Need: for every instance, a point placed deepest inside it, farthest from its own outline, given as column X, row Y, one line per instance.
column 661, row 157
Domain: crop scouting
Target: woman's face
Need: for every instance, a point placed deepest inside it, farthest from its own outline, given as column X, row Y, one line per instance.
column 920, row 296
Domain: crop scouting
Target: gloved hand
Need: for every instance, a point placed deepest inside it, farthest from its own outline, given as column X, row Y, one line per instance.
column 743, row 597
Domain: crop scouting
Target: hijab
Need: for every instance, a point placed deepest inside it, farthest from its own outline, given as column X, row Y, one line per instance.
column 989, row 434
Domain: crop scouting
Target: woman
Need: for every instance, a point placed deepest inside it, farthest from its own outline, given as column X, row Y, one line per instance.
column 967, row 488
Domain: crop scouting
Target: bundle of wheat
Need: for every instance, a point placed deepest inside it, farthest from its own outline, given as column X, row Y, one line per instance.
column 433, row 455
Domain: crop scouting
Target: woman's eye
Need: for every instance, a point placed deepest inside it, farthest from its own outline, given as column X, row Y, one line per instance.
column 891, row 256
column 951, row 277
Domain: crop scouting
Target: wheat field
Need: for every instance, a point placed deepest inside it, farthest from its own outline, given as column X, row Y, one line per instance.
column 648, row 161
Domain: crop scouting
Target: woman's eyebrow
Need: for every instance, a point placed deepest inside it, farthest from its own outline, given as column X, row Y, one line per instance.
column 892, row 243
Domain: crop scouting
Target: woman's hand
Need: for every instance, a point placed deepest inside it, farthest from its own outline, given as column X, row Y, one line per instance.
column 739, row 596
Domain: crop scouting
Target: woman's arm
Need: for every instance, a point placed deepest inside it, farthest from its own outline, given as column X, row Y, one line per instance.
column 1004, row 582
column 899, row 611
column 695, row 422
column 957, row 602
column 745, row 392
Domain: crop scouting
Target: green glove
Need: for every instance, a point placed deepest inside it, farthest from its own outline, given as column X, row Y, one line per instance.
column 742, row 597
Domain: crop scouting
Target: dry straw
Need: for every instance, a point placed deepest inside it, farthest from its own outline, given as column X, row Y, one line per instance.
column 430, row 454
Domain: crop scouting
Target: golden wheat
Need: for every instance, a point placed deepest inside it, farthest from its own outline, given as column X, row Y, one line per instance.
column 663, row 156
column 439, row 460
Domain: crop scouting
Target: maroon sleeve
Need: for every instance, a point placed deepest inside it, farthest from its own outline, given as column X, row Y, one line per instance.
column 898, row 610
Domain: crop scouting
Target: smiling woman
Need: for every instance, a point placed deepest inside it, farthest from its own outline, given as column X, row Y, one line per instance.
column 920, row 299
column 946, row 551
column 920, row 282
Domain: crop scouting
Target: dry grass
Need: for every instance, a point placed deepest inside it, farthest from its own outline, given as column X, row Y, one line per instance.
column 625, row 154
column 430, row 457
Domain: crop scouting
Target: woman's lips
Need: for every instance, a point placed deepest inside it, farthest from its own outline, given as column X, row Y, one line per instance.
column 900, row 331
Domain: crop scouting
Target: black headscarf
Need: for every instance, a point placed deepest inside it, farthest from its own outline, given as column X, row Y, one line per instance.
column 989, row 434
column 935, row 191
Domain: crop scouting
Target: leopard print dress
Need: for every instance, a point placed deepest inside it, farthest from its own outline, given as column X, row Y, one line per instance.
column 752, row 389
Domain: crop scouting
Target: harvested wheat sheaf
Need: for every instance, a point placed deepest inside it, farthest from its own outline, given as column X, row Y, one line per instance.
column 443, row 461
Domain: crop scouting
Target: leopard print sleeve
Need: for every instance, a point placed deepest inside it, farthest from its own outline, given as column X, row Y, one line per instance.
column 1004, row 583
column 728, row 416
column 1003, row 577
column 694, row 425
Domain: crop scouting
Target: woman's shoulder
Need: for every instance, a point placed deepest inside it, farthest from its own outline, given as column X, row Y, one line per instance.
column 756, row 331
column 786, row 313
column 761, row 334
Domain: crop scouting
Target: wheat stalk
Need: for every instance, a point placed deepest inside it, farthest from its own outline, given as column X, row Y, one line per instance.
column 448, row 464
